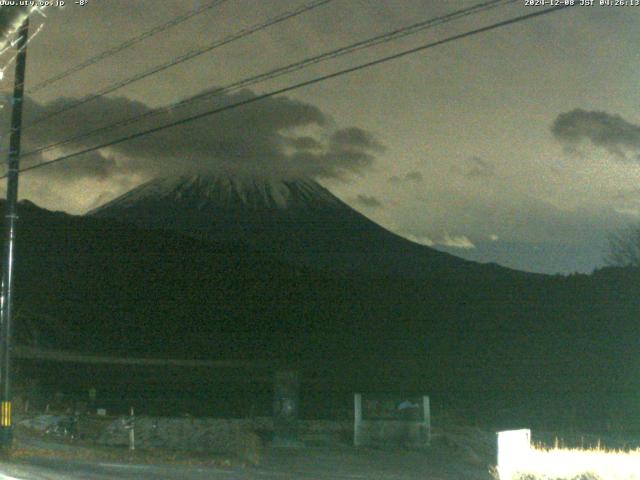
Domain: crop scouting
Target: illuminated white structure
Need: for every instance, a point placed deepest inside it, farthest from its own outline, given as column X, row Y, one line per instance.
column 518, row 459
column 514, row 448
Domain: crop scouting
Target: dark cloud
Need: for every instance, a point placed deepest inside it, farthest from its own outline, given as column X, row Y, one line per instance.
column 368, row 201
column 354, row 138
column 479, row 167
column 413, row 176
column 602, row 129
column 93, row 165
column 263, row 138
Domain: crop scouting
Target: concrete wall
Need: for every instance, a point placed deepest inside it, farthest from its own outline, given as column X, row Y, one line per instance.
column 389, row 425
column 228, row 436
column 241, row 437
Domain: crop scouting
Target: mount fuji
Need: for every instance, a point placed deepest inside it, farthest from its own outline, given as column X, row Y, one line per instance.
column 297, row 220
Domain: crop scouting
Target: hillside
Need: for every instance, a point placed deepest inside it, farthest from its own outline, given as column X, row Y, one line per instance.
column 296, row 220
column 503, row 346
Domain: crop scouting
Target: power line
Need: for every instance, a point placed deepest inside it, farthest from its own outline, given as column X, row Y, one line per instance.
column 275, row 73
column 181, row 59
column 127, row 44
column 299, row 85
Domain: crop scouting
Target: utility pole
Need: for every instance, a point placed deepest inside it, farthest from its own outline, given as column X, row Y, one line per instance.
column 11, row 216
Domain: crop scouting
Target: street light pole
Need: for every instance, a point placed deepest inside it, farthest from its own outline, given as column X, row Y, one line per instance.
column 6, row 294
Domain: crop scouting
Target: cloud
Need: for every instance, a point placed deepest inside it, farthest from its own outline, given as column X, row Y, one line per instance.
column 413, row 176
column 446, row 240
column 305, row 143
column 421, row 239
column 626, row 202
column 266, row 138
column 459, row 241
column 479, row 167
column 611, row 132
column 474, row 167
column 368, row 201
column 94, row 165
column 355, row 138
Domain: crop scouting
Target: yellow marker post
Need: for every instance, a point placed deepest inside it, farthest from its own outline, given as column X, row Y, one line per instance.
column 5, row 414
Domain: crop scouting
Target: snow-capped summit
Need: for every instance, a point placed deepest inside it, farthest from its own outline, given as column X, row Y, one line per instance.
column 297, row 220
column 229, row 192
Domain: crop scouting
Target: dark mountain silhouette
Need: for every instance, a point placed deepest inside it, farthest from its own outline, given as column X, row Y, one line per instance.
column 297, row 220
column 504, row 343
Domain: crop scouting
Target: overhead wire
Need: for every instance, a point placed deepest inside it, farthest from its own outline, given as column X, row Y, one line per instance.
column 280, row 71
column 299, row 85
column 181, row 59
column 125, row 45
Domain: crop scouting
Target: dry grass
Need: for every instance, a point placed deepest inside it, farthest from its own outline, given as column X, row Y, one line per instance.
column 541, row 463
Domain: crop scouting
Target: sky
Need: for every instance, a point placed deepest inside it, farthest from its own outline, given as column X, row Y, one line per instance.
column 519, row 146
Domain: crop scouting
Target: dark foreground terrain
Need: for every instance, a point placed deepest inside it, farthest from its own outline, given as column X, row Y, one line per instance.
column 456, row 453
column 303, row 464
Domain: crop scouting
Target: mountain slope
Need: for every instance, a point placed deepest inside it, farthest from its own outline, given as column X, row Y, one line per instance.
column 298, row 220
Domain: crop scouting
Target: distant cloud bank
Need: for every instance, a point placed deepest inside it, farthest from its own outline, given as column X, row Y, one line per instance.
column 279, row 137
column 609, row 131
column 446, row 240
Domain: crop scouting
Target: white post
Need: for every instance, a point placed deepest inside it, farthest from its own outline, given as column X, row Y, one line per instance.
column 427, row 417
column 357, row 419
column 132, row 434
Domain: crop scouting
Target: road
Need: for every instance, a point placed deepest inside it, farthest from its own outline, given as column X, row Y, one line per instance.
column 278, row 464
